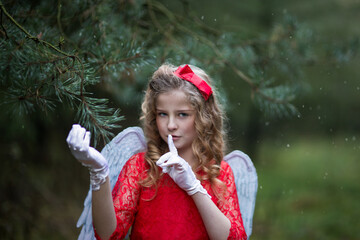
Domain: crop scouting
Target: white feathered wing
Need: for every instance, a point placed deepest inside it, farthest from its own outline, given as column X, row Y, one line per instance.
column 246, row 182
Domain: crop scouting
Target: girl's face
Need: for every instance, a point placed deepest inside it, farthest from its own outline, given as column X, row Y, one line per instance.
column 176, row 116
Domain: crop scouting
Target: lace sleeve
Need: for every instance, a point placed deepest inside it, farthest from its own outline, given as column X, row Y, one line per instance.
column 230, row 206
column 126, row 194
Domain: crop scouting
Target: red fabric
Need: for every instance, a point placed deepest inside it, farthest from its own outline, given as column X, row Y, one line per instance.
column 187, row 74
column 171, row 214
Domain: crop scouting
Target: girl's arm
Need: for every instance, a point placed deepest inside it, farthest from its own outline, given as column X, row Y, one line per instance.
column 229, row 206
column 103, row 212
column 102, row 205
column 216, row 223
column 114, row 211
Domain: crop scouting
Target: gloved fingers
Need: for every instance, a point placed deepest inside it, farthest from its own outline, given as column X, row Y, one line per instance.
column 163, row 158
column 72, row 134
column 76, row 138
column 166, row 170
column 171, row 145
column 86, row 142
column 172, row 161
column 166, row 162
column 76, row 128
column 71, row 138
column 80, row 135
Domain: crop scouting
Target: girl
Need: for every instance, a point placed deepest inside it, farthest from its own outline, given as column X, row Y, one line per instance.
column 180, row 188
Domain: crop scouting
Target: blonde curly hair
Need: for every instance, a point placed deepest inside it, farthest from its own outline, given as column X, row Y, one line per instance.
column 208, row 147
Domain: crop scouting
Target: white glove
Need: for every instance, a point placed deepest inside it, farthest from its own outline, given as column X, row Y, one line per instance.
column 180, row 171
column 79, row 144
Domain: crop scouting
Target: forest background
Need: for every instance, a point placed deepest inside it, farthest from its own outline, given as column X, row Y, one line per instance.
column 288, row 76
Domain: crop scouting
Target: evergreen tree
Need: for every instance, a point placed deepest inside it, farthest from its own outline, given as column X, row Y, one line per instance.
column 55, row 54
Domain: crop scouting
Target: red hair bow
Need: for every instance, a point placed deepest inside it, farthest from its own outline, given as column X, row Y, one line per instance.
column 187, row 74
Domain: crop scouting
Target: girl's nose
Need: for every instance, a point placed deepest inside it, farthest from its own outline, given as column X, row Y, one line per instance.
column 172, row 124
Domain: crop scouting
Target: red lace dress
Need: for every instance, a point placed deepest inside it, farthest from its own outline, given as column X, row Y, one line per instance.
column 168, row 213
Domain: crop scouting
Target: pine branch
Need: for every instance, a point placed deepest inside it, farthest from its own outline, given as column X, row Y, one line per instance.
column 36, row 39
column 54, row 68
column 3, row 30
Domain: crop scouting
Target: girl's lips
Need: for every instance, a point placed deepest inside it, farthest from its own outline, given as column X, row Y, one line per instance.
column 175, row 137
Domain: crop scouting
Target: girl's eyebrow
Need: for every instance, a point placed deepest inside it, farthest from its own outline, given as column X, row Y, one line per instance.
column 181, row 110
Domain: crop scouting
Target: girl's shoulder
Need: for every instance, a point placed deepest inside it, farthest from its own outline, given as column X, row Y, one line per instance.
column 137, row 159
column 225, row 170
column 225, row 166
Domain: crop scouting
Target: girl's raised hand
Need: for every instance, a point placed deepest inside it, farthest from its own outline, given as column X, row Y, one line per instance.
column 78, row 141
column 179, row 170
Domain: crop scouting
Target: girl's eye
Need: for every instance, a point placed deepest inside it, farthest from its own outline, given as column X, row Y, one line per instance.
column 183, row 114
column 161, row 114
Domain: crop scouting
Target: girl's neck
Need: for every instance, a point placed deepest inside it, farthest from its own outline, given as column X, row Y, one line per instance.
column 189, row 157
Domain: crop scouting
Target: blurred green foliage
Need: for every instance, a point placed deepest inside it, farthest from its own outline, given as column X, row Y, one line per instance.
column 307, row 165
column 308, row 189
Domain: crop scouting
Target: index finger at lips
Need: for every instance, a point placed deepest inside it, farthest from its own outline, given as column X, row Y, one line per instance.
column 171, row 145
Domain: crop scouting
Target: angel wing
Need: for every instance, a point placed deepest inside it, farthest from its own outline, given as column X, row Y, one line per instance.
column 246, row 182
column 127, row 143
